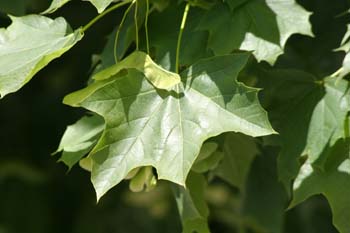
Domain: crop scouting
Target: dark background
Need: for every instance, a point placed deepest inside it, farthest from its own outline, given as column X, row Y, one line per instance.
column 37, row 195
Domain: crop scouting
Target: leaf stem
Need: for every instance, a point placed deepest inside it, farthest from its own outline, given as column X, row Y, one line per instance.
column 136, row 26
column 98, row 17
column 118, row 31
column 336, row 73
column 146, row 25
column 182, row 27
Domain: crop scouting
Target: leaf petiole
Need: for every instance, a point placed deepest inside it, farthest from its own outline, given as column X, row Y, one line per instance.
column 336, row 73
column 136, row 26
column 98, row 17
column 146, row 25
column 118, row 31
column 182, row 27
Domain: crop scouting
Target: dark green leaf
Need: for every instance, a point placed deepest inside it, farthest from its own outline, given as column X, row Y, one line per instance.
column 239, row 152
column 191, row 204
column 333, row 182
column 259, row 26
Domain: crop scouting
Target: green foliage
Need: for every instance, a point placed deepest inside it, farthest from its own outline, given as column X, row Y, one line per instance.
column 177, row 95
column 147, row 126
column 28, row 45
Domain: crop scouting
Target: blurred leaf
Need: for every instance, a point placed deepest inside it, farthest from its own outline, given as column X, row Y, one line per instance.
column 13, row 7
column 208, row 158
column 163, row 38
column 265, row 198
column 28, row 45
column 165, row 129
column 239, row 152
column 20, row 170
column 233, row 4
column 333, row 182
column 191, row 204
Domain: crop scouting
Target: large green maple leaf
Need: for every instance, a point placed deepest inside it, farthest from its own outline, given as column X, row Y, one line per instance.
column 28, row 45
column 165, row 129
column 261, row 26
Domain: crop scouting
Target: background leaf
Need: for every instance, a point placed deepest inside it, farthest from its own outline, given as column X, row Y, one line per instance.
column 259, row 26
column 191, row 204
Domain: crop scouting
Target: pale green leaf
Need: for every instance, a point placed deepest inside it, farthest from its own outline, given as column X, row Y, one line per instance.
column 345, row 46
column 165, row 129
column 28, row 45
column 100, row 5
column 333, row 182
column 191, row 204
column 239, row 152
column 144, row 179
column 79, row 139
column 55, row 5
column 259, row 26
column 140, row 61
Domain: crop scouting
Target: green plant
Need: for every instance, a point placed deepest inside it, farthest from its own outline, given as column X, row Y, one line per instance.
column 164, row 103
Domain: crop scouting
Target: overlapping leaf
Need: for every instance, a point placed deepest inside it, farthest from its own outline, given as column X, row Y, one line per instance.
column 146, row 126
column 310, row 116
column 79, row 139
column 191, row 203
column 208, row 158
column 345, row 46
column 163, row 38
column 100, row 5
column 265, row 198
column 14, row 7
column 239, row 152
column 333, row 182
column 28, row 45
column 255, row 25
